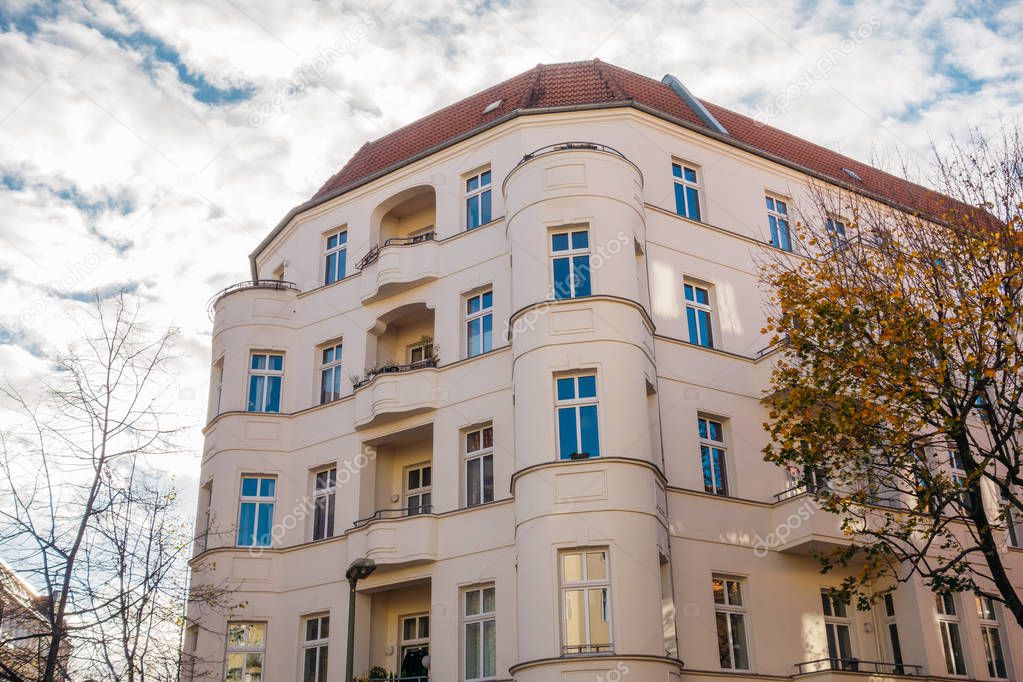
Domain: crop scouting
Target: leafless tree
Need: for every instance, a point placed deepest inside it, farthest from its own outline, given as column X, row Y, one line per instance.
column 85, row 516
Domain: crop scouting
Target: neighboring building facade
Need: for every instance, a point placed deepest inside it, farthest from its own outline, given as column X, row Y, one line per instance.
column 524, row 377
column 23, row 628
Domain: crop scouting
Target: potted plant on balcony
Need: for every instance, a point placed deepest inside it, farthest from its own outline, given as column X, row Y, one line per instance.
column 579, row 455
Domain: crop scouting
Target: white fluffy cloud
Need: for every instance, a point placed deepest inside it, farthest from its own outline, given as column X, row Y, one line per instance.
column 128, row 131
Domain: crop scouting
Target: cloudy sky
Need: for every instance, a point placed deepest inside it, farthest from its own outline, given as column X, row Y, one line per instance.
column 151, row 144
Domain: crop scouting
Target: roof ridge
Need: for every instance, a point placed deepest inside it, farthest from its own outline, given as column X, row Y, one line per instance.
column 612, row 83
column 533, row 92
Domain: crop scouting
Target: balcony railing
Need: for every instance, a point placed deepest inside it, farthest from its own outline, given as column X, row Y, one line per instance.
column 419, row 678
column 564, row 146
column 394, row 369
column 278, row 284
column 374, row 253
column 399, row 513
column 576, row 649
column 856, row 665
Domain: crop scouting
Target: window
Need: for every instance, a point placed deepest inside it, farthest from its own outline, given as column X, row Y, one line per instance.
column 585, row 602
column 778, row 219
column 314, row 649
column 218, row 386
column 479, row 466
column 266, row 371
column 712, row 456
column 577, row 416
column 991, row 637
column 687, row 190
column 837, row 628
column 421, row 352
column 336, row 257
column 951, row 642
column 1013, row 524
column 698, row 315
column 893, row 633
column 324, row 494
column 960, row 480
column 730, row 614
column 480, row 630
column 836, row 232
column 477, row 200
column 570, row 263
column 246, row 645
column 418, row 489
column 205, row 516
column 256, row 515
column 415, row 646
column 479, row 323
column 330, row 373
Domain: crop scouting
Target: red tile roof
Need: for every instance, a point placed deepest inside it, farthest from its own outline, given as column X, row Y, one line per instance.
column 593, row 83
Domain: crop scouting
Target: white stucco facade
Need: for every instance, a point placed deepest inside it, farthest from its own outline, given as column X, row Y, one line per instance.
column 641, row 501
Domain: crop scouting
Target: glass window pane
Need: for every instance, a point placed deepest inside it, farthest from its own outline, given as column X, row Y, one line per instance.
column 273, row 394
column 277, row 362
column 485, row 207
column 739, row 641
column 706, row 338
column 253, row 667
column 408, row 629
column 782, row 208
column 258, row 362
column 473, row 337
column 690, row 175
column 424, row 627
column 256, row 634
column 572, row 566
column 264, row 524
column 235, row 662
column 575, row 625
column 246, row 524
column 596, row 565
column 472, row 212
column 472, row 441
column 250, row 486
column 312, row 630
column 562, row 278
column 600, row 617
column 690, row 294
column 472, row 482
column 694, row 331
column 724, row 648
column 473, row 305
column 680, row 199
column 702, row 426
column 581, row 270
column 472, row 603
column 718, row 587
column 588, row 386
column 488, row 479
column 692, row 203
column 676, row 170
column 489, row 648
column 255, row 394
column 488, row 299
column 580, row 240
column 559, row 242
column 472, row 651
column 489, row 601
column 770, row 203
column 566, row 388
column 472, row 183
column 708, row 469
column 330, row 271
column 734, row 592
column 567, row 443
column 488, row 437
column 485, row 178
column 267, row 486
column 588, row 426
column 332, row 241
column 715, row 431
column 488, row 333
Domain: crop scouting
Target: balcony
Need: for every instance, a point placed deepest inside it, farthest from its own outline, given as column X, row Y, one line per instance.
column 257, row 287
column 404, row 254
column 397, row 639
column 800, row 526
column 876, row 669
column 402, row 378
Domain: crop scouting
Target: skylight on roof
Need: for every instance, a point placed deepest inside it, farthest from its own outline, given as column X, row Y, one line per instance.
column 493, row 105
column 852, row 174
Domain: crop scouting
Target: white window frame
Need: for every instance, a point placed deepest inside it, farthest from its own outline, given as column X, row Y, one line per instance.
column 838, row 237
column 321, row 642
column 245, row 650
column 417, row 641
column 328, row 495
column 257, row 500
column 778, row 211
column 891, row 625
column 267, row 374
column 477, row 196
column 480, row 314
column 331, row 369
column 707, row 307
column 837, row 619
column 340, row 247
column 586, row 585
column 481, row 455
column 991, row 638
column 947, row 613
column 572, row 254
column 479, row 620
column 409, row 492
column 717, row 487
column 687, row 184
column 729, row 609
column 576, row 404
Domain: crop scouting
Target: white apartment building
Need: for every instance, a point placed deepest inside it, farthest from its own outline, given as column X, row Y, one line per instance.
column 512, row 354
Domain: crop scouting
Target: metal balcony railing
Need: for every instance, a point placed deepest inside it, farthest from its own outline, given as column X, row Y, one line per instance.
column 278, row 284
column 394, row 369
column 374, row 253
column 575, row 649
column 399, row 513
column 856, row 665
